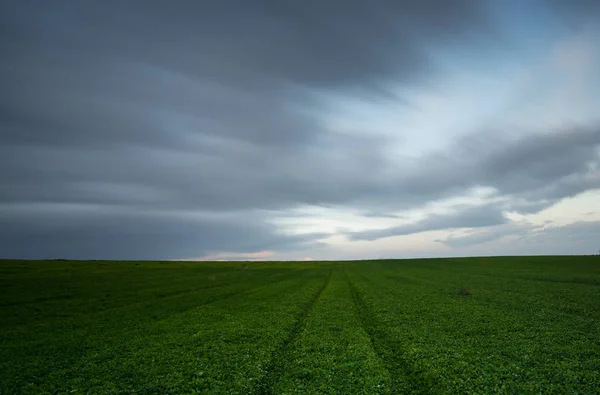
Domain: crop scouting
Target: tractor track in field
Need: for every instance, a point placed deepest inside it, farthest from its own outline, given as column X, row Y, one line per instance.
column 407, row 379
column 278, row 359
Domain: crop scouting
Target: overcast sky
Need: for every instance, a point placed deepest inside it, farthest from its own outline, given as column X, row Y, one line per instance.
column 299, row 129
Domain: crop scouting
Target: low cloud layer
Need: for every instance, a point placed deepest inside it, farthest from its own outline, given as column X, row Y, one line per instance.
column 472, row 217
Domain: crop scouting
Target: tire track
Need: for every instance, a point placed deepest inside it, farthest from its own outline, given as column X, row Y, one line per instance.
column 405, row 378
column 278, row 359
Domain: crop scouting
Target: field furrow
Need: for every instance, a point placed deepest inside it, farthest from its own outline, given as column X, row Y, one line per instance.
column 332, row 352
column 404, row 378
column 275, row 367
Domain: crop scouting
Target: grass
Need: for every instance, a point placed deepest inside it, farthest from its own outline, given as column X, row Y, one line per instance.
column 472, row 325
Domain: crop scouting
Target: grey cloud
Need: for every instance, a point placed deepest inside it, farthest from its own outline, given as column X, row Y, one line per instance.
column 546, row 168
column 576, row 238
column 133, row 104
column 574, row 11
column 572, row 239
column 150, row 106
column 238, row 177
column 487, row 235
column 582, row 231
column 98, row 74
column 35, row 231
column 580, row 236
column 163, row 179
column 470, row 217
column 323, row 43
column 472, row 239
column 544, row 158
column 534, row 170
column 380, row 214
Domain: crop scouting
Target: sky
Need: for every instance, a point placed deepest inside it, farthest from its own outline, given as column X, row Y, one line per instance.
column 299, row 130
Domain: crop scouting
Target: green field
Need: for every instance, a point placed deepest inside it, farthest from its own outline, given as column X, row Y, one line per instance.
column 529, row 325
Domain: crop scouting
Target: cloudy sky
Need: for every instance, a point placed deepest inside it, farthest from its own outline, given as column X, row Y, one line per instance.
column 295, row 129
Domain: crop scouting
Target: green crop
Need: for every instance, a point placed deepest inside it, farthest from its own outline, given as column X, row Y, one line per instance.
column 469, row 325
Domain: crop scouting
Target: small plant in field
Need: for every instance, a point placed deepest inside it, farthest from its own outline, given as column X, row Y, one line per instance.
column 464, row 292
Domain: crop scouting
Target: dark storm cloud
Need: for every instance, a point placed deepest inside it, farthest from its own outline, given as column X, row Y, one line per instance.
column 108, row 232
column 186, row 105
column 134, row 109
column 312, row 42
column 236, row 176
column 96, row 73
